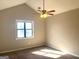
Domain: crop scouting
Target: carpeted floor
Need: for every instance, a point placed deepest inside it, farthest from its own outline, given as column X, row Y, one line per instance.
column 37, row 53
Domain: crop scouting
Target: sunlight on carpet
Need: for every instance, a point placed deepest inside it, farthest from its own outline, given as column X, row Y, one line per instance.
column 49, row 53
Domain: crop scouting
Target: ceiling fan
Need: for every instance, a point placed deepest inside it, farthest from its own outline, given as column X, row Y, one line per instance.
column 44, row 12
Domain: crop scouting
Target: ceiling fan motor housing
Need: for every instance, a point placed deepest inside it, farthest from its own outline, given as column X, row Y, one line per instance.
column 44, row 11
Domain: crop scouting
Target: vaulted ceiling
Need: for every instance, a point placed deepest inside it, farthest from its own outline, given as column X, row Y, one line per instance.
column 58, row 5
column 10, row 3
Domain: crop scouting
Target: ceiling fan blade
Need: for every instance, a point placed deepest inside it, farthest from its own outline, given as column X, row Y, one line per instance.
column 39, row 10
column 51, row 11
column 39, row 7
column 51, row 14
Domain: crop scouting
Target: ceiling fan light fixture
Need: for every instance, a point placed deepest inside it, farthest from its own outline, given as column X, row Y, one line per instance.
column 44, row 15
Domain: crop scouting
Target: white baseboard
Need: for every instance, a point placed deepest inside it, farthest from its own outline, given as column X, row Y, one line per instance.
column 20, row 49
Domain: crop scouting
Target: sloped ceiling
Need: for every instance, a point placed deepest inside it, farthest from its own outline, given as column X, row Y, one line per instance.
column 10, row 3
column 58, row 5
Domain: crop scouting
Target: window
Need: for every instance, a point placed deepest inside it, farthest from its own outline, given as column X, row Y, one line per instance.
column 25, row 29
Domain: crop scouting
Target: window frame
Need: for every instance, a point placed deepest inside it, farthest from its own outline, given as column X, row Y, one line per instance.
column 25, row 21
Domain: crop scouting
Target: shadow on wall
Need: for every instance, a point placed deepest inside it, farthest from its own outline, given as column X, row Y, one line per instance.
column 63, row 32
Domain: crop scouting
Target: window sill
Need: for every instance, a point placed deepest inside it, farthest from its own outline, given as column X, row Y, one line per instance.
column 24, row 38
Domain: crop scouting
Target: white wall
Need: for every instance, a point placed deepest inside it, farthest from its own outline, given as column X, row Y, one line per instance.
column 63, row 32
column 8, row 19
